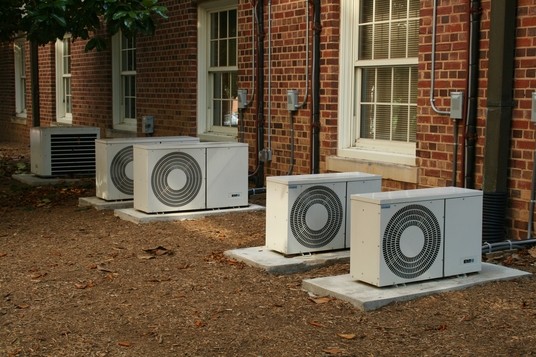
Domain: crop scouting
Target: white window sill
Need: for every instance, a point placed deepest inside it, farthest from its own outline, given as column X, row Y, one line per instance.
column 217, row 137
column 388, row 171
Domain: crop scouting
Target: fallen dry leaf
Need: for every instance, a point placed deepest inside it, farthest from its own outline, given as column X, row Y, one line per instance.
column 158, row 251
column 315, row 324
column 3, row 255
column 199, row 323
column 123, row 343
column 347, row 336
column 532, row 252
column 22, row 306
column 321, row 300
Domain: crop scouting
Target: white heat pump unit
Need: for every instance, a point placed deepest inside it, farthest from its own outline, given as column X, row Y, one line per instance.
column 114, row 162
column 414, row 235
column 310, row 213
column 63, row 151
column 182, row 177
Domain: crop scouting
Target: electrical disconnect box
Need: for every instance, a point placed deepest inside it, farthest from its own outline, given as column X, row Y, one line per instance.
column 456, row 105
column 292, row 100
column 147, row 124
column 242, row 98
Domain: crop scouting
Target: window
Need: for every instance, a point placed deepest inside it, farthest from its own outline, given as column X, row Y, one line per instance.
column 20, row 77
column 379, row 48
column 218, row 70
column 124, row 82
column 64, row 102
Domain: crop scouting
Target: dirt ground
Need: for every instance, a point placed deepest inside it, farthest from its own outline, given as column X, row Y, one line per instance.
column 81, row 282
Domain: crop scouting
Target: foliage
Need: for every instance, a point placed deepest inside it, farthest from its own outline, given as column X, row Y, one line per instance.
column 43, row 21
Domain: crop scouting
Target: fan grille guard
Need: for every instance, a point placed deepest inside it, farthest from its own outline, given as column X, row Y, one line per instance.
column 118, row 167
column 304, row 234
column 159, row 179
column 411, row 216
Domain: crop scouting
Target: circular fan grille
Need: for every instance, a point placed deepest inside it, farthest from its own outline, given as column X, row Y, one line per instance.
column 118, row 173
column 400, row 264
column 163, row 168
column 306, row 235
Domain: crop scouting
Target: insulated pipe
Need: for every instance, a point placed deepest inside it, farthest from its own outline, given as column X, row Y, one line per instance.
column 315, row 139
column 291, row 118
column 472, row 100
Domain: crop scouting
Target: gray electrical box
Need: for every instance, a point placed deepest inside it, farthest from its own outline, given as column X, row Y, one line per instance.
column 456, row 105
column 533, row 108
column 242, row 98
column 292, row 100
column 147, row 124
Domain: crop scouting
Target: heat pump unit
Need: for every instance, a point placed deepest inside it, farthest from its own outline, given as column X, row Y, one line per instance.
column 114, row 162
column 414, row 235
column 183, row 177
column 309, row 213
column 63, row 151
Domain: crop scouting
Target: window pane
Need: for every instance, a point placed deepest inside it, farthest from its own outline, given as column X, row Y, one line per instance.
column 367, row 121
column 381, row 41
column 217, row 85
column 366, row 12
column 213, row 53
column 399, row 10
column 398, row 39
column 382, row 10
column 214, row 26
column 413, row 38
column 223, row 24
column 217, row 113
column 232, row 23
column 368, row 84
column 223, row 53
column 412, row 123
column 383, row 85
column 383, row 122
column 413, row 85
column 400, row 85
column 232, row 52
column 365, row 39
column 400, row 123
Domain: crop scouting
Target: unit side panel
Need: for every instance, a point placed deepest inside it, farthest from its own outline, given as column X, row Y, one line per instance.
column 357, row 187
column 141, row 179
column 227, row 177
column 463, row 235
column 365, row 241
column 277, row 213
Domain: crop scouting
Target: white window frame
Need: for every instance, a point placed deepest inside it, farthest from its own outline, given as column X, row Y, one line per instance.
column 19, row 53
column 119, row 120
column 63, row 115
column 349, row 95
column 205, row 129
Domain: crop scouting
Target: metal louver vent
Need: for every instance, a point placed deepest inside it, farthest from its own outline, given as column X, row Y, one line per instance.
column 161, row 187
column 303, row 232
column 401, row 263
column 72, row 154
column 118, row 173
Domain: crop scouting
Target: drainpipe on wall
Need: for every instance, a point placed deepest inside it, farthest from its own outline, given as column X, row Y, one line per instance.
column 499, row 116
column 472, row 96
column 34, row 75
column 315, row 139
column 259, row 171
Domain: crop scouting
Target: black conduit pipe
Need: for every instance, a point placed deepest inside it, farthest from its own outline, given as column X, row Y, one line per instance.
column 259, row 171
column 472, row 97
column 315, row 139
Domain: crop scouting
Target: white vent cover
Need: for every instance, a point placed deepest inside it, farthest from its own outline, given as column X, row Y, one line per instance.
column 114, row 177
column 309, row 213
column 63, row 151
column 413, row 235
column 182, row 177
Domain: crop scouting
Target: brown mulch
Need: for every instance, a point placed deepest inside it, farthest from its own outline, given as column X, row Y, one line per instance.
column 81, row 282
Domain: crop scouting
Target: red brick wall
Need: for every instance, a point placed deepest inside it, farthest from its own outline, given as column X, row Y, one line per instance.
column 288, row 71
column 435, row 132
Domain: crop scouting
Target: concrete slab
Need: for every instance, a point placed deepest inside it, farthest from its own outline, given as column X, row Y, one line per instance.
column 367, row 297
column 278, row 264
column 100, row 204
column 32, row 180
column 132, row 215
